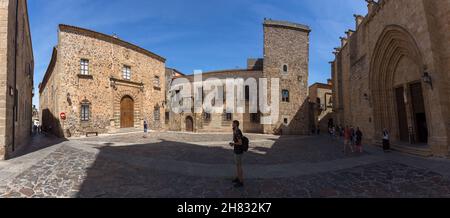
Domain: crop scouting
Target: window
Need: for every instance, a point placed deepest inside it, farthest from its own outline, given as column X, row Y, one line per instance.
column 84, row 63
column 157, row 113
column 126, row 72
column 228, row 117
column 286, row 121
column 255, row 118
column 285, row 96
column 247, row 93
column 167, row 117
column 207, row 116
column 157, row 82
column 285, row 68
column 85, row 111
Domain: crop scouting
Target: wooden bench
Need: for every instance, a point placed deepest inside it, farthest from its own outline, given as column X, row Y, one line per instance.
column 91, row 133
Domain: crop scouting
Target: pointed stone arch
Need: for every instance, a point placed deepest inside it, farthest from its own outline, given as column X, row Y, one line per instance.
column 394, row 44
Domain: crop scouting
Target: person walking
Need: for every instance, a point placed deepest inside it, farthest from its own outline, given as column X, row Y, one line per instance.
column 347, row 139
column 359, row 137
column 386, row 141
column 238, row 146
column 352, row 136
column 145, row 129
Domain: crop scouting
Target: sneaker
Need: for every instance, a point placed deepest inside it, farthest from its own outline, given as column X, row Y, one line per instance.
column 239, row 185
column 236, row 180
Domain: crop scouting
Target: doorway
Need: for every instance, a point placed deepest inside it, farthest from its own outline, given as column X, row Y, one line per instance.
column 401, row 114
column 419, row 115
column 189, row 124
column 127, row 112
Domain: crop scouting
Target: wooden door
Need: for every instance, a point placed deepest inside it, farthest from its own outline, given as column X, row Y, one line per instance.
column 420, row 119
column 401, row 113
column 127, row 112
column 189, row 124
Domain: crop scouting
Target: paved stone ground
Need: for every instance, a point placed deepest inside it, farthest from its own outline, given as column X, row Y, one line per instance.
column 200, row 165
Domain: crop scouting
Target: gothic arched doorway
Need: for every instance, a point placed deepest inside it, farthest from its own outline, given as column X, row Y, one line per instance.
column 395, row 82
column 127, row 112
column 189, row 124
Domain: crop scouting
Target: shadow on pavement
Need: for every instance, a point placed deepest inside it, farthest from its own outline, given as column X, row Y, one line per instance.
column 127, row 171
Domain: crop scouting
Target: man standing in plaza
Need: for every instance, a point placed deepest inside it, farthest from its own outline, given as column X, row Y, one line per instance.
column 238, row 153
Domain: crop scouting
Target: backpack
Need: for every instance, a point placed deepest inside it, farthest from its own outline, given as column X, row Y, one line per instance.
column 245, row 143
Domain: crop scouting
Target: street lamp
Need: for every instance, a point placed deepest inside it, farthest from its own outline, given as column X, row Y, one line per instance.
column 426, row 78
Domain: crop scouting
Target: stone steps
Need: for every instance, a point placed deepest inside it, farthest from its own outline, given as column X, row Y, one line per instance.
column 423, row 152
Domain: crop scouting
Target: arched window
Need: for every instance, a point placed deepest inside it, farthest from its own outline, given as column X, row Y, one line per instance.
column 285, row 69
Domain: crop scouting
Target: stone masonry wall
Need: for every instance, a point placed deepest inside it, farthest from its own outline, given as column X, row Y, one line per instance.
column 426, row 22
column 16, row 72
column 287, row 45
column 106, row 60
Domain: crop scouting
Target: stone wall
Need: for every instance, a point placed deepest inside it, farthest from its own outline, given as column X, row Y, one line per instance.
column 16, row 73
column 321, row 113
column 216, row 122
column 288, row 44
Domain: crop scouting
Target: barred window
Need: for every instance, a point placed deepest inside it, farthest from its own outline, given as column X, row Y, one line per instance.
column 85, row 112
column 126, row 72
column 84, row 64
column 157, row 113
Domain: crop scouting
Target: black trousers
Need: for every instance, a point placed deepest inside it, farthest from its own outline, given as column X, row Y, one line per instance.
column 386, row 144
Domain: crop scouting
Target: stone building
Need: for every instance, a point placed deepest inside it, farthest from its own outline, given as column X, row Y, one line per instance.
column 320, row 97
column 16, row 77
column 101, row 84
column 286, row 57
column 393, row 72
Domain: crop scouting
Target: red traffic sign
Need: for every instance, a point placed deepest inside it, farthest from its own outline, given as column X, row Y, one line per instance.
column 63, row 116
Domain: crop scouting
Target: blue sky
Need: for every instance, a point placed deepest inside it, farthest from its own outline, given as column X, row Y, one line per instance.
column 195, row 34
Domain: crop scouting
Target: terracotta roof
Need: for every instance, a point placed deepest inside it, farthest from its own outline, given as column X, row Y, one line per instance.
column 108, row 38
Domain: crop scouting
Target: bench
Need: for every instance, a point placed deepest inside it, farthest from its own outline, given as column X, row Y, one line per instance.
column 91, row 133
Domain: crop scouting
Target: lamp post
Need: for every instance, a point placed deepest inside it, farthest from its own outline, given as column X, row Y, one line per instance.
column 426, row 78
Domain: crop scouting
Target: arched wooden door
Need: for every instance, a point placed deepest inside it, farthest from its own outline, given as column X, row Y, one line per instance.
column 189, row 124
column 126, row 112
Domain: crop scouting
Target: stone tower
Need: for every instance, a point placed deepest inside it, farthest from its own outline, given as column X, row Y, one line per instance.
column 286, row 56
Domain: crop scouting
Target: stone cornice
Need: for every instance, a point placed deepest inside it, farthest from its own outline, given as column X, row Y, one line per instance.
column 286, row 24
column 49, row 71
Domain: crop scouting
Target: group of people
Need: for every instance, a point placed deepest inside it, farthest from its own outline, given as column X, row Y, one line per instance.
column 37, row 129
column 352, row 139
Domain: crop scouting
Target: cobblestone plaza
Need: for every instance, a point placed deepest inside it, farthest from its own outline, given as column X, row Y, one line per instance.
column 182, row 165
